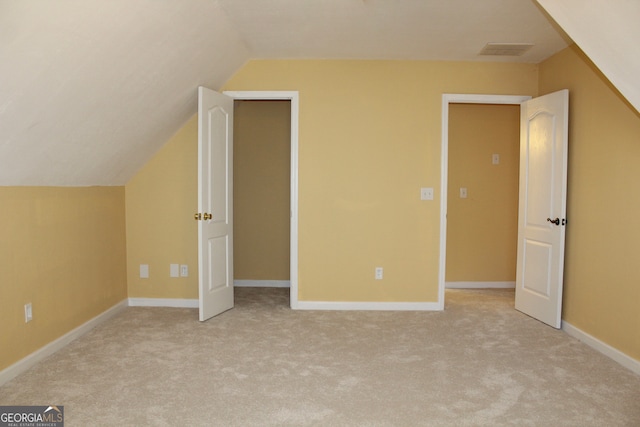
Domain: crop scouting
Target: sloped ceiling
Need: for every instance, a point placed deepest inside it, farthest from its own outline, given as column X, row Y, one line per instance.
column 91, row 89
column 609, row 33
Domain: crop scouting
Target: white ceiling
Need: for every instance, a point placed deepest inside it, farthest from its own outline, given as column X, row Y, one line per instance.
column 91, row 89
column 386, row 29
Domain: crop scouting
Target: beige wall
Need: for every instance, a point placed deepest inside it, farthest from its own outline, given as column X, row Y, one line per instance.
column 161, row 201
column 261, row 189
column 62, row 250
column 369, row 139
column 602, row 291
column 482, row 229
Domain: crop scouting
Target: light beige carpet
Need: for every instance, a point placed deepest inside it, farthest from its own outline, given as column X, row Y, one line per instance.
column 479, row 362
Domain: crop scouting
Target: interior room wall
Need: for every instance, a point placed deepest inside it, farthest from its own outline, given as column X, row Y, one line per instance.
column 161, row 201
column 63, row 251
column 601, row 292
column 482, row 229
column 369, row 140
column 261, row 189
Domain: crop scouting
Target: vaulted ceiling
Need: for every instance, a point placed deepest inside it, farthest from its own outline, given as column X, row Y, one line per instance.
column 91, row 89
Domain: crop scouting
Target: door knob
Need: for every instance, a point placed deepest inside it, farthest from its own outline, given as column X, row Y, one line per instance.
column 207, row 216
column 557, row 221
column 197, row 216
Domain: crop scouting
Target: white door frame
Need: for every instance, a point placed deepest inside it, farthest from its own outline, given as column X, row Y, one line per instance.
column 451, row 98
column 292, row 96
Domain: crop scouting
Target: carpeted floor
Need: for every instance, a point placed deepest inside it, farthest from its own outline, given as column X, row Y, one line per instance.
column 478, row 363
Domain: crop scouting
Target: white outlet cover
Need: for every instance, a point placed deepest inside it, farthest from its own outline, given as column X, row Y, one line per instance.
column 144, row 271
column 28, row 313
column 495, row 159
column 174, row 270
column 426, row 193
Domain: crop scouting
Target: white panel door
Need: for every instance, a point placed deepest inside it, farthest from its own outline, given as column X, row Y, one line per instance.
column 542, row 206
column 215, row 203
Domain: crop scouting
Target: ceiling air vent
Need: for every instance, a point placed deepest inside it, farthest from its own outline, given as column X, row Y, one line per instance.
column 505, row 49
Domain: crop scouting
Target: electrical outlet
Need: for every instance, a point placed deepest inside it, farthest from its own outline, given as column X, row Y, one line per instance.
column 28, row 313
column 426, row 193
column 144, row 271
column 174, row 270
column 379, row 273
column 184, row 270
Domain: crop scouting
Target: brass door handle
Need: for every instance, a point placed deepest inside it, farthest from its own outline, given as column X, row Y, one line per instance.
column 203, row 216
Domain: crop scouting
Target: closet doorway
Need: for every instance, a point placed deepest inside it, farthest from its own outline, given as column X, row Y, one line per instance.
column 464, row 193
column 265, row 190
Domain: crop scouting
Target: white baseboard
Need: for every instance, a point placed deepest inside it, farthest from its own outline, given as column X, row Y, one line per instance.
column 262, row 283
column 27, row 362
column 480, row 285
column 163, row 302
column 369, row 306
column 604, row 348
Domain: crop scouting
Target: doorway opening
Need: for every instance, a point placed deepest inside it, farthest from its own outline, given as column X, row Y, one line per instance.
column 466, row 205
column 266, row 191
column 261, row 193
column 482, row 204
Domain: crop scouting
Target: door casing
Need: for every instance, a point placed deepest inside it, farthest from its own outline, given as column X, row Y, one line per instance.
column 292, row 96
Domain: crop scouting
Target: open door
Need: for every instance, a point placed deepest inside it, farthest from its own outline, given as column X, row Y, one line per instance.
column 215, row 203
column 542, row 206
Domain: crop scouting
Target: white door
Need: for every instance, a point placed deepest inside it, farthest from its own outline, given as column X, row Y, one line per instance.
column 542, row 206
column 215, row 203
